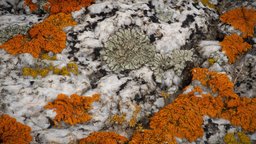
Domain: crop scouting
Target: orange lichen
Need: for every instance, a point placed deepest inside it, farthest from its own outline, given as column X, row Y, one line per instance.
column 13, row 132
column 66, row 6
column 104, row 138
column 240, row 111
column 72, row 110
column 59, row 20
column 156, row 136
column 233, row 46
column 45, row 36
column 32, row 6
column 22, row 44
column 183, row 117
column 242, row 18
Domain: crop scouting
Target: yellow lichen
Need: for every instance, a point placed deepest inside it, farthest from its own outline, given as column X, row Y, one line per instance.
column 133, row 120
column 46, row 56
column 207, row 3
column 118, row 119
column 44, row 71
column 236, row 138
column 73, row 68
column 164, row 94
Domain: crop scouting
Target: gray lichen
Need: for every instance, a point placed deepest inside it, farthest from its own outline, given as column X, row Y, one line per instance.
column 10, row 31
column 176, row 61
column 165, row 13
column 127, row 49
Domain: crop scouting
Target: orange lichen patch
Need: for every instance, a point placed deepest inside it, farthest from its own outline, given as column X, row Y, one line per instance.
column 32, row 6
column 233, row 46
column 59, row 20
column 49, row 37
column 45, row 36
column 104, row 138
column 72, row 110
column 13, row 132
column 218, row 82
column 156, row 136
column 242, row 18
column 22, row 44
column 67, row 6
column 183, row 117
column 241, row 112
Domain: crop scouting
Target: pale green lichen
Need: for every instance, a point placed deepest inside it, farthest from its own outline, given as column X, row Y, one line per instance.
column 176, row 61
column 10, row 31
column 165, row 13
column 127, row 49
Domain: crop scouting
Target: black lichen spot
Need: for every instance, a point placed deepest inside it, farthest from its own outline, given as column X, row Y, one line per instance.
column 154, row 19
column 188, row 21
column 152, row 38
column 92, row 15
column 113, row 11
column 73, row 35
column 94, row 25
column 237, row 84
column 138, row 98
column 75, row 59
column 195, row 5
column 93, row 85
column 227, row 126
column 103, row 72
column 89, row 27
column 51, row 122
column 150, row 5
column 122, row 87
column 154, row 77
column 220, row 36
column 145, row 12
column 73, row 50
column 208, row 135
column 96, row 53
column 249, row 40
column 32, row 82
